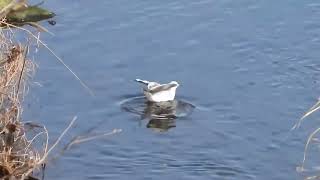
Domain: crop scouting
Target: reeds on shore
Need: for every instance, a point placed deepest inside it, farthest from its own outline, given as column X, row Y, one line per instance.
column 24, row 146
column 18, row 156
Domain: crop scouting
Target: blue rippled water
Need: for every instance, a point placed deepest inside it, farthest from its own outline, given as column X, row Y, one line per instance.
column 251, row 68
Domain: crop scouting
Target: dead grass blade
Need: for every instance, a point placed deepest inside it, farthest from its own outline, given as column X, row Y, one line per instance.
column 80, row 139
column 24, row 56
column 313, row 109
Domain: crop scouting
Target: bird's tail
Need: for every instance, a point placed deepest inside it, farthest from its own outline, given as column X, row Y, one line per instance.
column 143, row 81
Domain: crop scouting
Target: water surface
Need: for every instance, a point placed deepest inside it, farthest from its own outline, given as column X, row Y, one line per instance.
column 250, row 67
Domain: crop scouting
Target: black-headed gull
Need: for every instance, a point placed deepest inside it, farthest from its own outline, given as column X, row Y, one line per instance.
column 156, row 92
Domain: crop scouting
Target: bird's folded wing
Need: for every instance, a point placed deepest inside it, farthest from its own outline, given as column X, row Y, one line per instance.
column 160, row 88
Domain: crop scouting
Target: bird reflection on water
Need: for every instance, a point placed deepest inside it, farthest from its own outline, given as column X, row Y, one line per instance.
column 160, row 115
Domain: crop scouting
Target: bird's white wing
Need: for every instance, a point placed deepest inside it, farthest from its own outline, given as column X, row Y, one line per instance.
column 161, row 87
column 149, row 84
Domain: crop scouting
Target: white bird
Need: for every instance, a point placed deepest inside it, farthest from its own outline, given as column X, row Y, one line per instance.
column 156, row 92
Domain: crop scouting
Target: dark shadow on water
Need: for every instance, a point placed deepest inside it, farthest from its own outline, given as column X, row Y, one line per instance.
column 161, row 124
column 161, row 115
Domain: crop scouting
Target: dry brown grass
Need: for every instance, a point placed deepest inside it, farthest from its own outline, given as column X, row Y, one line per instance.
column 22, row 155
column 18, row 157
column 24, row 147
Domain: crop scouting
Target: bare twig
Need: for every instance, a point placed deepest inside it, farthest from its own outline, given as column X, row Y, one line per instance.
column 313, row 109
column 45, row 156
column 79, row 139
